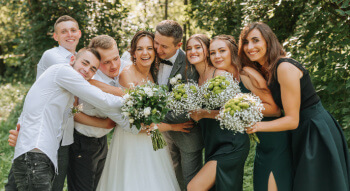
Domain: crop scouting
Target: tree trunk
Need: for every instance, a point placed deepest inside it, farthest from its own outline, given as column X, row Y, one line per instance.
column 2, row 63
column 184, row 39
column 166, row 10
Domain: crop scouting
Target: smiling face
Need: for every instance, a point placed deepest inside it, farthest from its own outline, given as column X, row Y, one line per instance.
column 110, row 61
column 144, row 53
column 254, row 46
column 165, row 46
column 195, row 52
column 67, row 34
column 86, row 64
column 220, row 55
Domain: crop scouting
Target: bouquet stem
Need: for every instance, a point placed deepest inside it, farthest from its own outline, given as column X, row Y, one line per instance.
column 158, row 140
column 254, row 137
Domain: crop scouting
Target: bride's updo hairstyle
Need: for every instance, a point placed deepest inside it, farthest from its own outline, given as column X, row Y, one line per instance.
column 136, row 39
column 274, row 50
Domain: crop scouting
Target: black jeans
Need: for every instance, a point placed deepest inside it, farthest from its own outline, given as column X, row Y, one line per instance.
column 33, row 171
column 58, row 183
column 86, row 161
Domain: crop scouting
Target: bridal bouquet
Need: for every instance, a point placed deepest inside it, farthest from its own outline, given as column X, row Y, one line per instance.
column 144, row 105
column 244, row 110
column 217, row 91
column 184, row 98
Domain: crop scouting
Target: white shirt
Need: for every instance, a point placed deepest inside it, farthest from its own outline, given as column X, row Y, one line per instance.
column 53, row 56
column 165, row 70
column 45, row 105
column 56, row 55
column 88, row 109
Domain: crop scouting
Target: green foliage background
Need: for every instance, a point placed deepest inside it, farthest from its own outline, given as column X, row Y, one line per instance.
column 314, row 32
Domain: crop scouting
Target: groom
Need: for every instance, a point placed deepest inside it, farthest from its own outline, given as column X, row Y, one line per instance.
column 185, row 148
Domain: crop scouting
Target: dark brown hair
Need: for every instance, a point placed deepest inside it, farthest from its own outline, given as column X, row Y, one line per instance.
column 92, row 50
column 64, row 18
column 135, row 40
column 170, row 28
column 274, row 50
column 232, row 45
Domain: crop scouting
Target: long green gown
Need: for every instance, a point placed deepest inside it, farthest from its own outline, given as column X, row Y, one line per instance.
column 321, row 160
column 229, row 150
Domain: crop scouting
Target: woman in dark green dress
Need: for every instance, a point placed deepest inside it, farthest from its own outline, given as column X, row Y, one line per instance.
column 225, row 152
column 320, row 154
column 273, row 154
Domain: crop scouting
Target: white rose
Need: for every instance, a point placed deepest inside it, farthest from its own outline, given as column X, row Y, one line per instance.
column 129, row 103
column 126, row 114
column 147, row 89
column 173, row 81
column 131, row 120
column 178, row 77
column 150, row 94
column 147, row 111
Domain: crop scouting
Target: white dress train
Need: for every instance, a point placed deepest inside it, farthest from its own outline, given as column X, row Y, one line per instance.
column 133, row 165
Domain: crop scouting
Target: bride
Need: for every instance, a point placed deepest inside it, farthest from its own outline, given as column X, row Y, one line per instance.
column 132, row 164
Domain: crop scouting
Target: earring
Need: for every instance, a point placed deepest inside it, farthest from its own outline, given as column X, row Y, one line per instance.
column 134, row 60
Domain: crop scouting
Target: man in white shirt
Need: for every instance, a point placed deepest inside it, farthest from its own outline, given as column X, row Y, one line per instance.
column 89, row 150
column 67, row 34
column 44, row 110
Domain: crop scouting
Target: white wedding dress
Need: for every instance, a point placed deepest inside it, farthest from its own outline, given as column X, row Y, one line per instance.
column 133, row 165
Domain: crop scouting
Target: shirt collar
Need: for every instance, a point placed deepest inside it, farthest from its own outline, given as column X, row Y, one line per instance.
column 106, row 79
column 64, row 52
column 173, row 58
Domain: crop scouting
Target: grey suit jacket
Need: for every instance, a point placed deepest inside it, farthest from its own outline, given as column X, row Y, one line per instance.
column 188, row 142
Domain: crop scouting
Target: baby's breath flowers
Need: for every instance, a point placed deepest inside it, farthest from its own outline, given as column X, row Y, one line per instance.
column 244, row 110
column 144, row 105
column 217, row 91
column 185, row 98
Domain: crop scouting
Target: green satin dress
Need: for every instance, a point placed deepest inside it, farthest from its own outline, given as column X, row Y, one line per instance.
column 229, row 149
column 273, row 155
column 321, row 160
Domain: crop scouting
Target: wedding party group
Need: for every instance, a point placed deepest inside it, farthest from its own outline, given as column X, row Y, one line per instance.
column 229, row 91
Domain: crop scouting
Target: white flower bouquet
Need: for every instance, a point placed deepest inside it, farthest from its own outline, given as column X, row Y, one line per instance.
column 144, row 105
column 217, row 91
column 244, row 110
column 184, row 98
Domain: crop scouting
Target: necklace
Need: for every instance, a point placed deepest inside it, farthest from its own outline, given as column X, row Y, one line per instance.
column 141, row 74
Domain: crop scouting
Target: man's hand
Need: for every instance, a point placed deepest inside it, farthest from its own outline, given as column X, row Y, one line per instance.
column 13, row 136
column 110, row 124
column 183, row 127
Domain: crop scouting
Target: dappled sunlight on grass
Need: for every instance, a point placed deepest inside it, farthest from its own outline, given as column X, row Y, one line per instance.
column 11, row 100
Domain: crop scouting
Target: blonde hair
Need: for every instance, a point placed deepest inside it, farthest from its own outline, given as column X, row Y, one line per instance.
column 102, row 41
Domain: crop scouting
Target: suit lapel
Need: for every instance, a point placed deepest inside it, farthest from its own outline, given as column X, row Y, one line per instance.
column 179, row 62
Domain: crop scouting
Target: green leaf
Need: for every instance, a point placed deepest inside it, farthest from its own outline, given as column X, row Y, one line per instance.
column 341, row 12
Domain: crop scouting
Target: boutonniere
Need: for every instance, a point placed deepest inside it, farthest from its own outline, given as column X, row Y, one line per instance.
column 77, row 109
column 176, row 79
